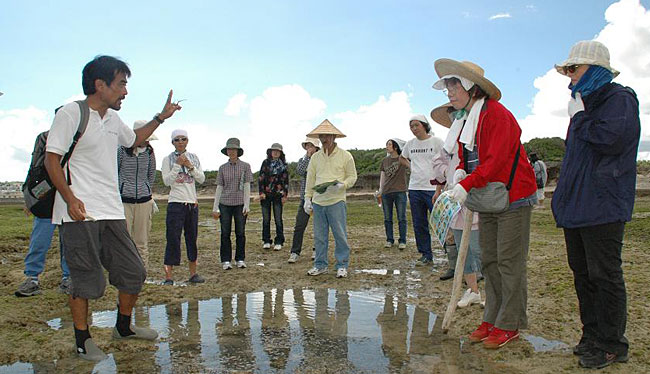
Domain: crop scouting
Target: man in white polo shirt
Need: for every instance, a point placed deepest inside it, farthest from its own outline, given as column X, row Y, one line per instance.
column 88, row 205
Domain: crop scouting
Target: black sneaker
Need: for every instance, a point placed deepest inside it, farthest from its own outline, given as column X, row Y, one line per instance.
column 196, row 278
column 168, row 282
column 583, row 347
column 423, row 261
column 598, row 359
column 65, row 287
column 448, row 275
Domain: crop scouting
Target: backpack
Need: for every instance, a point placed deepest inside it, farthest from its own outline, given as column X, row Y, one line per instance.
column 38, row 190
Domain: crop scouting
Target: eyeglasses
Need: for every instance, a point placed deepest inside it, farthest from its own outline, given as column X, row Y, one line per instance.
column 180, row 140
column 451, row 85
column 570, row 69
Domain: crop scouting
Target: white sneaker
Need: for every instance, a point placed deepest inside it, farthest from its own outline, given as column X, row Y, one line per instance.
column 266, row 246
column 469, row 298
column 226, row 265
column 277, row 247
column 388, row 245
column 342, row 273
column 402, row 245
column 316, row 271
column 293, row 257
column 241, row 264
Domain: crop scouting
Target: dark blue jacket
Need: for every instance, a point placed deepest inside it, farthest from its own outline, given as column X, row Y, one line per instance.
column 598, row 176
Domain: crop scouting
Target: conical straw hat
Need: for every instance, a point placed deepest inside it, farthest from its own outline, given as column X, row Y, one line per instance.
column 325, row 128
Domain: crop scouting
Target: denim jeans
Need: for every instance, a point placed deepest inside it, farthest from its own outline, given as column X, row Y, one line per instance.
column 273, row 202
column 473, row 259
column 181, row 217
column 594, row 254
column 228, row 213
column 421, row 205
column 302, row 219
column 334, row 217
column 39, row 244
column 399, row 200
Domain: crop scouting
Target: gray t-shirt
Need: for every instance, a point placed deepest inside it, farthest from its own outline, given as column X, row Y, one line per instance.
column 395, row 174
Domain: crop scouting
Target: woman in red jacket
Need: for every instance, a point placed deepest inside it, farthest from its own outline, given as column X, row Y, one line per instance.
column 488, row 137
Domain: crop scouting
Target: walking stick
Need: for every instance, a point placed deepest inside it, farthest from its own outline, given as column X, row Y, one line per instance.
column 458, row 272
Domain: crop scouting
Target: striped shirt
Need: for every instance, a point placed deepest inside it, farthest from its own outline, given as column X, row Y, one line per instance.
column 232, row 176
column 136, row 175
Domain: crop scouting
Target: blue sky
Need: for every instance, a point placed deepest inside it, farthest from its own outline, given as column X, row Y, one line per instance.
column 271, row 71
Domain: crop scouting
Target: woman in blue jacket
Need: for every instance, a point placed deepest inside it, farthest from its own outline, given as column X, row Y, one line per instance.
column 595, row 196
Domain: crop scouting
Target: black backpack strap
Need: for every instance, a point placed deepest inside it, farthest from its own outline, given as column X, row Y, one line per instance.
column 83, row 123
column 514, row 166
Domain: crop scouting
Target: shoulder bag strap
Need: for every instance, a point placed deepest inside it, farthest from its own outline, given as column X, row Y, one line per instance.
column 514, row 166
column 83, row 123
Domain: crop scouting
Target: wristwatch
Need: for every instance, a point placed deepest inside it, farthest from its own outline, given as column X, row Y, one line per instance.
column 158, row 119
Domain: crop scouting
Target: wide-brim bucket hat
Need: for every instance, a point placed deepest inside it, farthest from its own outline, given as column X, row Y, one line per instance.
column 276, row 147
column 468, row 70
column 314, row 141
column 587, row 52
column 233, row 143
column 442, row 114
column 325, row 128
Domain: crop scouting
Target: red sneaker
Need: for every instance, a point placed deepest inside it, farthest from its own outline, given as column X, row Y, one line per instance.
column 481, row 333
column 498, row 338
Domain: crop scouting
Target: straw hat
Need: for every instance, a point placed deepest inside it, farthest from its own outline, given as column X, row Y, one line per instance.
column 140, row 123
column 325, row 128
column 587, row 52
column 233, row 143
column 442, row 116
column 315, row 142
column 469, row 70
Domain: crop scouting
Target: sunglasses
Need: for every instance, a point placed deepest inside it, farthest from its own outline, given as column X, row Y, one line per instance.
column 570, row 69
column 180, row 139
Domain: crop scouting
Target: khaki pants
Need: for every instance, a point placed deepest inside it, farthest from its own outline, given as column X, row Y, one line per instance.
column 504, row 240
column 138, row 223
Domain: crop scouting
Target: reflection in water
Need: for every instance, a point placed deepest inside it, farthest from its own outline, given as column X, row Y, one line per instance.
column 295, row 330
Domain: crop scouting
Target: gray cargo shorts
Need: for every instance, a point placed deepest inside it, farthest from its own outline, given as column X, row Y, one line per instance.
column 89, row 246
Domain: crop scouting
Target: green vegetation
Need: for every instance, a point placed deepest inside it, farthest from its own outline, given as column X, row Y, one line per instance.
column 547, row 149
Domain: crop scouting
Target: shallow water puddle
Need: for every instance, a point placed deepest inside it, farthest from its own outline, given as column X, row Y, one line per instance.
column 292, row 330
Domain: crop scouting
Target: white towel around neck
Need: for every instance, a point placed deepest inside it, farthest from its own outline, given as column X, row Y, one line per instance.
column 468, row 131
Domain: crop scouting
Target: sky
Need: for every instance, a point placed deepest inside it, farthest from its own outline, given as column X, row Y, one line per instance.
column 270, row 72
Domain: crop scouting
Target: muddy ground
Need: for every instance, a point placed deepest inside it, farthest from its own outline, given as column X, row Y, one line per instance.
column 552, row 304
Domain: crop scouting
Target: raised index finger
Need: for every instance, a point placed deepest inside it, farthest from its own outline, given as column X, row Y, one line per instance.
column 169, row 96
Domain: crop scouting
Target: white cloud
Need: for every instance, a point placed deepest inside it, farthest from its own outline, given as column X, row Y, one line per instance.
column 20, row 127
column 627, row 35
column 75, row 98
column 235, row 105
column 500, row 15
column 531, row 8
column 370, row 126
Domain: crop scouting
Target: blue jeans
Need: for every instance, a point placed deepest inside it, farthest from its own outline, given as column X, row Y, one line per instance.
column 421, row 205
column 228, row 214
column 272, row 202
column 39, row 244
column 334, row 217
column 399, row 199
column 473, row 259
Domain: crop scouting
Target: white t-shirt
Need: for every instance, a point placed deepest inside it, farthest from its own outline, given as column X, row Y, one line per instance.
column 421, row 154
column 93, row 165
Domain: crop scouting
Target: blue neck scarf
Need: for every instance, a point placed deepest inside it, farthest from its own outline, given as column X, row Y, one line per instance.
column 594, row 78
